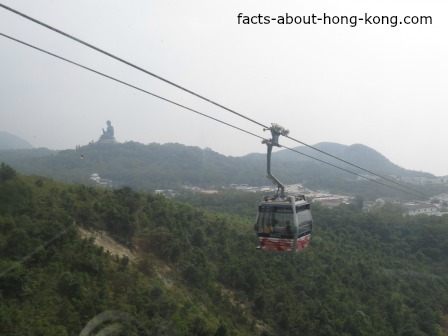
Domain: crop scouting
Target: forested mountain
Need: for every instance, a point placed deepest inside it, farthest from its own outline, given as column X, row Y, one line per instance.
column 11, row 141
column 357, row 154
column 169, row 166
column 197, row 271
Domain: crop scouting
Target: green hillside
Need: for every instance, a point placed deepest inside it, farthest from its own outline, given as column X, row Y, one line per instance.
column 144, row 167
column 357, row 154
column 197, row 272
column 171, row 166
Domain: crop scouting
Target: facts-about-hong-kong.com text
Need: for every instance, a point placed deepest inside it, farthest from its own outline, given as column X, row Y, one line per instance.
column 352, row 21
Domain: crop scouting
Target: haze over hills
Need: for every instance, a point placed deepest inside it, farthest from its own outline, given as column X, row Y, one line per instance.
column 171, row 166
column 358, row 154
column 11, row 141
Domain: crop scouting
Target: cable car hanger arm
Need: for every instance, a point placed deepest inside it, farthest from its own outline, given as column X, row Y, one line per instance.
column 276, row 131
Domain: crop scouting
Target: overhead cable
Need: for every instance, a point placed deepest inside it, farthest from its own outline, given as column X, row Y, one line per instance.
column 190, row 109
column 356, row 166
column 193, row 93
column 129, row 85
column 351, row 172
column 128, row 63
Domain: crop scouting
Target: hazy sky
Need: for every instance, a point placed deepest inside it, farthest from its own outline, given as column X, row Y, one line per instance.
column 382, row 86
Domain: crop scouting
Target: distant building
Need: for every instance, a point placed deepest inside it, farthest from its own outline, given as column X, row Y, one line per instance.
column 441, row 200
column 415, row 209
column 369, row 206
column 166, row 192
column 101, row 181
column 208, row 191
column 425, row 180
column 332, row 201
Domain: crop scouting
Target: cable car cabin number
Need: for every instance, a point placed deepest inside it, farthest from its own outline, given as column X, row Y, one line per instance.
column 284, row 224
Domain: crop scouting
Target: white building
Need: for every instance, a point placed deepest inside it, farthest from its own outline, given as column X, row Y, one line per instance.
column 100, row 181
column 421, row 209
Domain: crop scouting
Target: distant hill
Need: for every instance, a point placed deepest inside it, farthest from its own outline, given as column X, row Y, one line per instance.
column 170, row 166
column 11, row 141
column 357, row 154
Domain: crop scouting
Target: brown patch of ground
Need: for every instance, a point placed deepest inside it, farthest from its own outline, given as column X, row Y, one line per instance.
column 103, row 239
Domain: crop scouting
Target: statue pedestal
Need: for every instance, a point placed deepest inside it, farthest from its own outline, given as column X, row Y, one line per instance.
column 107, row 141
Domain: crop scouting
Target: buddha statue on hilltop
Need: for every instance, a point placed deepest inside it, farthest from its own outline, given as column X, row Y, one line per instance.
column 108, row 134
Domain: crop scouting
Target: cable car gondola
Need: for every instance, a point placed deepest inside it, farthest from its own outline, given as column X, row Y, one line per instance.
column 284, row 223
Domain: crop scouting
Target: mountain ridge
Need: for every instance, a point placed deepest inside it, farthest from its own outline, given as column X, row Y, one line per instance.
column 11, row 141
column 357, row 154
column 169, row 166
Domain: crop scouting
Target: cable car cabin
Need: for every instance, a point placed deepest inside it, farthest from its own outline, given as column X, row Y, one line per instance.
column 284, row 224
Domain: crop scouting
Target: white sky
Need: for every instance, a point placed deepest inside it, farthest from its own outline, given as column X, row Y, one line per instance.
column 381, row 86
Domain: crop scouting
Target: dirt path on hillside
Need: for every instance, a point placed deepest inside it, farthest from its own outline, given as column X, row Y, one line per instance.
column 104, row 240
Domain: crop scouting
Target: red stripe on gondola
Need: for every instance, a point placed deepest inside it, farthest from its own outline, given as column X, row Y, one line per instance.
column 282, row 244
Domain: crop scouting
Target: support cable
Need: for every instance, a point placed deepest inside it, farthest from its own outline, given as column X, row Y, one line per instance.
column 351, row 172
column 129, row 85
column 193, row 93
column 127, row 63
column 356, row 166
column 200, row 113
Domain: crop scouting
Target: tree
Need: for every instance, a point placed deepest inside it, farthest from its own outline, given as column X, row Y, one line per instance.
column 6, row 172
